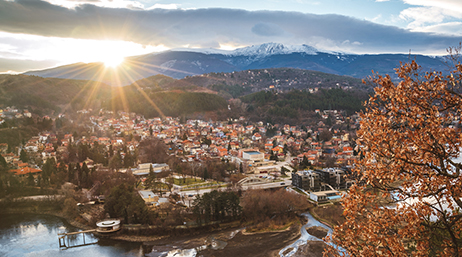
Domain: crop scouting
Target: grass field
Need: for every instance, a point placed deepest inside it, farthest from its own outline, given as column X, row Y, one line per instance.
column 186, row 181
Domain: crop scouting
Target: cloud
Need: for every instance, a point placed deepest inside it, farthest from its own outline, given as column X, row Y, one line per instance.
column 214, row 27
column 164, row 6
column 102, row 3
column 267, row 29
column 454, row 28
column 8, row 65
column 430, row 14
column 453, row 5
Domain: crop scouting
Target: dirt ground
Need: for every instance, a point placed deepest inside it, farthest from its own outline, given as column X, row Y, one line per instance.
column 257, row 244
column 311, row 249
column 318, row 232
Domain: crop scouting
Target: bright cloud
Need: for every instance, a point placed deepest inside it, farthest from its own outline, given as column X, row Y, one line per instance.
column 39, row 48
column 454, row 28
column 101, row 3
column 453, row 5
column 164, row 6
column 431, row 15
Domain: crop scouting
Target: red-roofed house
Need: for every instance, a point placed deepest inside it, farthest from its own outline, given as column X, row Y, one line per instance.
column 25, row 171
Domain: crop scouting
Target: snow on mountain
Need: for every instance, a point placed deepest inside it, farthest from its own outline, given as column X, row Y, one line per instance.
column 178, row 63
column 269, row 49
column 202, row 50
column 259, row 51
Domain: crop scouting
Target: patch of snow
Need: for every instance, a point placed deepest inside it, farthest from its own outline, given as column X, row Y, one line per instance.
column 269, row 49
column 168, row 65
column 198, row 64
column 201, row 50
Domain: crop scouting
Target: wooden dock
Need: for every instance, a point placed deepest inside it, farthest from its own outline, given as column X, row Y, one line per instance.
column 62, row 238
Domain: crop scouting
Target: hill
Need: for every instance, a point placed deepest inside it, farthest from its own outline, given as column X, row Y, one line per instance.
column 51, row 95
column 160, row 95
column 236, row 84
column 157, row 101
column 298, row 106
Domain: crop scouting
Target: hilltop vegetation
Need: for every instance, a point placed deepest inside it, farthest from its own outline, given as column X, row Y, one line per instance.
column 154, row 82
column 50, row 95
column 296, row 105
column 275, row 94
column 168, row 103
column 237, row 84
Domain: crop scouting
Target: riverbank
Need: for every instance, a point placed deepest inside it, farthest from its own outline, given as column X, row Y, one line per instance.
column 237, row 243
column 229, row 242
column 61, row 215
column 235, row 239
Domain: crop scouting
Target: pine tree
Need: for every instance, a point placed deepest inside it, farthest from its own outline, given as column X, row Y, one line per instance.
column 23, row 156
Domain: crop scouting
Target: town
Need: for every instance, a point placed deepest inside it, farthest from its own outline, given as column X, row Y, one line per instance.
column 254, row 155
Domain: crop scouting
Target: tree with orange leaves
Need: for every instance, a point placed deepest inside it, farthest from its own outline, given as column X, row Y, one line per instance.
column 410, row 201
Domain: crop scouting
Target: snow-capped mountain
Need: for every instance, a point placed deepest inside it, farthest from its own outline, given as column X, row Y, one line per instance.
column 270, row 49
column 179, row 63
column 261, row 51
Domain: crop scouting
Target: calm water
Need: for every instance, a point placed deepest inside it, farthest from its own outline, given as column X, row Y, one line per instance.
column 36, row 235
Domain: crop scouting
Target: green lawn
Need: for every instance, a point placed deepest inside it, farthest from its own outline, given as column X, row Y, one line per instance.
column 186, row 181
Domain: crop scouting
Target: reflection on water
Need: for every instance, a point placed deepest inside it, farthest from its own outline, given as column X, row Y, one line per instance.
column 37, row 235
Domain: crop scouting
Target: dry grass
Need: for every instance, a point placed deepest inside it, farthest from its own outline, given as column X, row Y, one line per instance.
column 330, row 213
column 272, row 225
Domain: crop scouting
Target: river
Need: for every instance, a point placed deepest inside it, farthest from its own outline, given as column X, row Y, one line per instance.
column 37, row 235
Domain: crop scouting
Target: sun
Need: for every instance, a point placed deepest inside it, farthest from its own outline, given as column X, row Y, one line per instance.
column 113, row 61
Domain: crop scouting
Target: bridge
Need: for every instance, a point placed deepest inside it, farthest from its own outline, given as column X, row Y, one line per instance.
column 262, row 183
column 249, row 180
column 62, row 238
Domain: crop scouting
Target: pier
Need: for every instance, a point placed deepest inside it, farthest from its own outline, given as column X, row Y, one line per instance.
column 62, row 238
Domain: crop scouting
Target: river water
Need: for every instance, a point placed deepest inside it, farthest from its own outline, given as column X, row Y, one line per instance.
column 37, row 235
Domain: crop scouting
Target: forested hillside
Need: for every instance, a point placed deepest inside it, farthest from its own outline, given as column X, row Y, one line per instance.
column 237, row 84
column 296, row 105
column 50, row 95
column 165, row 103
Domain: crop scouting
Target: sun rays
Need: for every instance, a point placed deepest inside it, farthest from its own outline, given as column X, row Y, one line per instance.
column 113, row 61
column 117, row 72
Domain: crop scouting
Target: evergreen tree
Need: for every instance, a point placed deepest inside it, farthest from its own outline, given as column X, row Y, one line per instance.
column 85, row 179
column 23, row 156
column 206, row 174
column 116, row 161
column 124, row 202
column 30, row 180
column 3, row 164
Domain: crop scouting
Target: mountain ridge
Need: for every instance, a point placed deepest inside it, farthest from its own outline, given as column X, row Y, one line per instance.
column 181, row 63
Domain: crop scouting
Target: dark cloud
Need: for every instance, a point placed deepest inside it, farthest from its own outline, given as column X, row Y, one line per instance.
column 267, row 29
column 176, row 28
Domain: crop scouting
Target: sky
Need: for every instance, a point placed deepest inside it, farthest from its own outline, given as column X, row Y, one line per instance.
column 37, row 34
